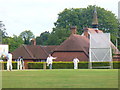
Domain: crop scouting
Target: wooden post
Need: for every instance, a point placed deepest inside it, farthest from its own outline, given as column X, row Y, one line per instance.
column 44, row 65
column 2, row 65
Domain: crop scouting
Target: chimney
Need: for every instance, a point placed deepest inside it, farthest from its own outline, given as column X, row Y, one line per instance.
column 33, row 41
column 73, row 30
column 85, row 33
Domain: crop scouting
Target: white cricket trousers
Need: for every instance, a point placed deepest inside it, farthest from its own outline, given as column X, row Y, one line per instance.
column 75, row 65
column 9, row 65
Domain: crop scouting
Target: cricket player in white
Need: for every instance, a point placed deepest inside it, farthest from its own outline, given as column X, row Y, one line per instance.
column 9, row 61
column 75, row 61
column 20, row 63
column 50, row 61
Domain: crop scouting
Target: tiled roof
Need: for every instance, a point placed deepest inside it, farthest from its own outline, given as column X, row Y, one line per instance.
column 30, row 52
column 69, row 56
column 92, row 30
column 75, row 43
column 50, row 48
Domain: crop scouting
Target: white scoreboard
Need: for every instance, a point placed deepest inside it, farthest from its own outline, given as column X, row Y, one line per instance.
column 3, row 49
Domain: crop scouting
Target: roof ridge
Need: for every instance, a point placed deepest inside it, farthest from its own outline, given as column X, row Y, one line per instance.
column 71, row 36
column 28, row 51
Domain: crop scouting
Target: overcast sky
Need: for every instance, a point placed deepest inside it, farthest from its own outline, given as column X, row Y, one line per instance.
column 40, row 15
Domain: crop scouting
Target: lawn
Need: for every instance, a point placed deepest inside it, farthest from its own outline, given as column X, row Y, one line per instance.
column 61, row 78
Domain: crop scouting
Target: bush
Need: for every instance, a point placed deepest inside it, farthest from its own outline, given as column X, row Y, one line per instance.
column 56, row 65
column 63, row 65
column 70, row 65
column 35, row 65
column 116, row 65
column 14, row 65
column 83, row 65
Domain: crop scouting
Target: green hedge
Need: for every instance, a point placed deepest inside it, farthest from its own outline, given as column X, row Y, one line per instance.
column 35, row 65
column 116, row 65
column 56, row 65
column 63, row 65
column 4, row 65
column 69, row 65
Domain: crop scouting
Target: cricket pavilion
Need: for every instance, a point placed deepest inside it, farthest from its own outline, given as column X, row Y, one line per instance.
column 74, row 46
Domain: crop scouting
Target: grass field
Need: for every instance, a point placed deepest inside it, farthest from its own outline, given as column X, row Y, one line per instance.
column 61, row 78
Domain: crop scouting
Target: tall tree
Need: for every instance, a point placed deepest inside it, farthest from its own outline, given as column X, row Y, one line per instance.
column 118, row 39
column 41, row 40
column 57, row 36
column 13, row 42
column 82, row 17
column 2, row 31
column 26, row 36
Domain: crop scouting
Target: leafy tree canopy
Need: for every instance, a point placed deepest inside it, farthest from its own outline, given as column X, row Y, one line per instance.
column 13, row 42
column 41, row 40
column 26, row 36
column 82, row 17
column 2, row 30
column 57, row 36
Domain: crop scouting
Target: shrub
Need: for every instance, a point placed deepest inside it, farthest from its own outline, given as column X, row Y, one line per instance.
column 70, row 65
column 35, row 65
column 116, row 65
column 14, row 65
column 63, row 65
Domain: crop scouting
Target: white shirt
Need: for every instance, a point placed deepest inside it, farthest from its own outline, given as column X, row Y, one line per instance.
column 75, row 60
column 50, row 59
column 9, row 57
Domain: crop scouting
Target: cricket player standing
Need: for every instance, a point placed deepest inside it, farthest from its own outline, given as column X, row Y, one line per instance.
column 9, row 61
column 20, row 63
column 75, row 61
column 50, row 61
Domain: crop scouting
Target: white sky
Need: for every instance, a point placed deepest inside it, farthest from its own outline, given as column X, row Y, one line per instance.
column 40, row 15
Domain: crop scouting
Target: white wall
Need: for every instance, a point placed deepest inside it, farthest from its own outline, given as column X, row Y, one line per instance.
column 119, row 11
column 3, row 49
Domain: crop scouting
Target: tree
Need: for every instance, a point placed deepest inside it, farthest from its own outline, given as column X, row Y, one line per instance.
column 82, row 17
column 2, row 30
column 13, row 42
column 57, row 36
column 118, row 39
column 26, row 36
column 41, row 40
